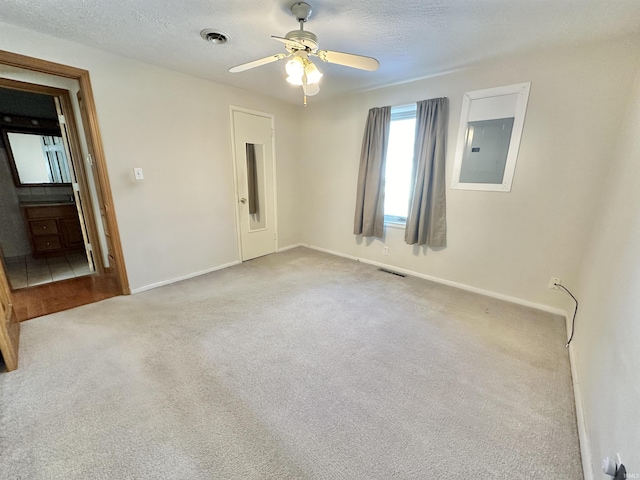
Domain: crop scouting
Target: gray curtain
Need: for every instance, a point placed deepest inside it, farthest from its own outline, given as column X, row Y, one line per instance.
column 427, row 222
column 369, row 217
column 252, row 178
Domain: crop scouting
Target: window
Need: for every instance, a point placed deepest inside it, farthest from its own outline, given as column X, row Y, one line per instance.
column 399, row 164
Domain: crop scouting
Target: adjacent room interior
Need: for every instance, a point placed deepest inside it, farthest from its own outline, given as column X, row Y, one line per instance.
column 303, row 263
column 49, row 231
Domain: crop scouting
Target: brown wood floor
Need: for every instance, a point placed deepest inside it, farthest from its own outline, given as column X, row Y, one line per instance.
column 54, row 297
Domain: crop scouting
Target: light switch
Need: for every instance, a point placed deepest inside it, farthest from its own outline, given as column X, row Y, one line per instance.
column 137, row 173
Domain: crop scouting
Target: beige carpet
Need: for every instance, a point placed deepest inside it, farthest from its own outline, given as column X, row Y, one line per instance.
column 299, row 365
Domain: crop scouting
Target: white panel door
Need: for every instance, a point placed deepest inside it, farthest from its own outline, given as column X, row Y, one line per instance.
column 71, row 171
column 255, row 183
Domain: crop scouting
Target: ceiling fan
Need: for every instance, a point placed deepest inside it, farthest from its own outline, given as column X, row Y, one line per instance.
column 302, row 44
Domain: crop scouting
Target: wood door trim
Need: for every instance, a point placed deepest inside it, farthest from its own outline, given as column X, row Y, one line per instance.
column 31, row 87
column 83, row 78
column 38, row 65
column 9, row 324
column 9, row 339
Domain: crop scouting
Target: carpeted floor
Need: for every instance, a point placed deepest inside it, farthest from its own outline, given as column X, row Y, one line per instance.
column 299, row 365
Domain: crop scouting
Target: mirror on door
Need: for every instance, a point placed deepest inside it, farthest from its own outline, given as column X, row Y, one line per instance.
column 255, row 185
column 37, row 159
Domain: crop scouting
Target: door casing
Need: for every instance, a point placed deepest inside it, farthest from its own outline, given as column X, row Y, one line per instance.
column 9, row 325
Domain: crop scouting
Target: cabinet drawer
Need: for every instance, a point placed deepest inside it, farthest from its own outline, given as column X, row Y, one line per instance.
column 50, row 211
column 47, row 243
column 43, row 227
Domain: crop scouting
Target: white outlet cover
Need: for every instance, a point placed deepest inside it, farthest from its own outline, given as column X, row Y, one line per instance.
column 553, row 281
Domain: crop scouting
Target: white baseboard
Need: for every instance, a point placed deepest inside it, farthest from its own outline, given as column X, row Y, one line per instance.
column 183, row 277
column 289, row 247
column 202, row 272
column 332, row 252
column 462, row 286
column 583, row 437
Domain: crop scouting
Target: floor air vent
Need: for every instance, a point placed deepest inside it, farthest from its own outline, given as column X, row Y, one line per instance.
column 392, row 273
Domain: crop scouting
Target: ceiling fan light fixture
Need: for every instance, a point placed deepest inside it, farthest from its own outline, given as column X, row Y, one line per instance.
column 311, row 89
column 295, row 80
column 313, row 74
column 295, row 67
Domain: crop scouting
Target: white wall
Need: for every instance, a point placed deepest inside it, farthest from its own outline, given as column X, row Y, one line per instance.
column 13, row 234
column 180, row 219
column 607, row 340
column 509, row 243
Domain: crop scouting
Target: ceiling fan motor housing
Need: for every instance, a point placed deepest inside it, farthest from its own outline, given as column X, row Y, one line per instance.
column 304, row 37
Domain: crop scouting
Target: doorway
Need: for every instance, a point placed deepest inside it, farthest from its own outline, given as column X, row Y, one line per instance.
column 255, row 180
column 63, row 266
column 92, row 200
column 44, row 232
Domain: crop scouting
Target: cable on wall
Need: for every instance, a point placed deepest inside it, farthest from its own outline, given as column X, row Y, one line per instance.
column 573, row 322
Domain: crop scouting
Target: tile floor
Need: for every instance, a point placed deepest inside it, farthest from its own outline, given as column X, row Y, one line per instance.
column 26, row 271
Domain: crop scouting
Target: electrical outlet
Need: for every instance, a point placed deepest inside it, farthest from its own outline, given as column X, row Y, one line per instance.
column 554, row 282
column 385, row 250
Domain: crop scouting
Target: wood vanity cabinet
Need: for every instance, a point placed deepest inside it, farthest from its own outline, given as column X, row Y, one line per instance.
column 53, row 229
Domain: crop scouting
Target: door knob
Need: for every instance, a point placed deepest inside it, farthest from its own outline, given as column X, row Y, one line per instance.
column 243, row 200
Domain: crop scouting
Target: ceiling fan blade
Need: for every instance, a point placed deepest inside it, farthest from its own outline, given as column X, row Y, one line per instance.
column 257, row 63
column 289, row 43
column 348, row 60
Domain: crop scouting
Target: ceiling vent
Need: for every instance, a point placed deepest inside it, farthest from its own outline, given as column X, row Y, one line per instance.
column 211, row 35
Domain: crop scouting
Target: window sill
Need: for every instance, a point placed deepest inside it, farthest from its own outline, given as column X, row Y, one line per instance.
column 398, row 225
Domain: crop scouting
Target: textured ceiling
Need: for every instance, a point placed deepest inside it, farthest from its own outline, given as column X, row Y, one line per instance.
column 412, row 39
